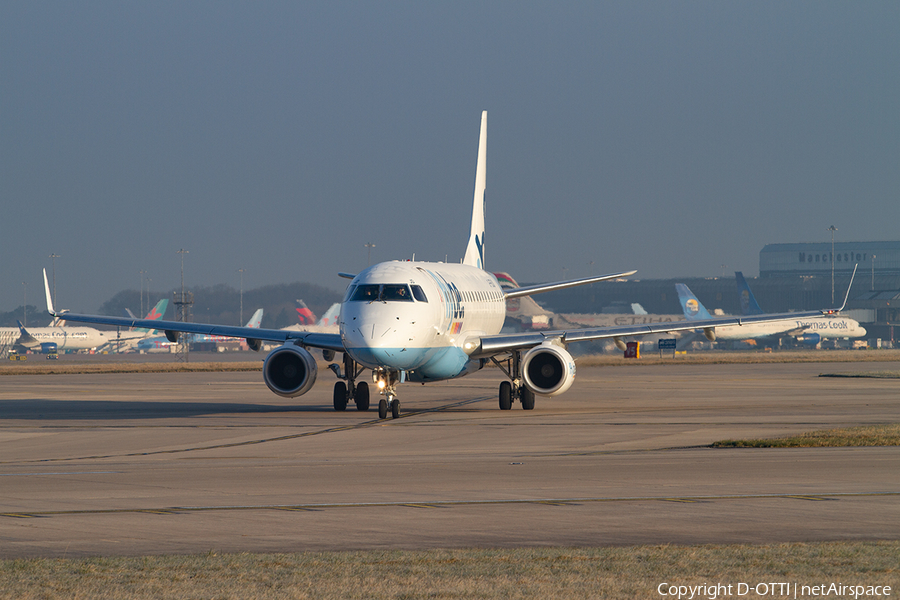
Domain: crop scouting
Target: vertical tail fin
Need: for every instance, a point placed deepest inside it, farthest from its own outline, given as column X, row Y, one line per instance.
column 475, row 249
column 156, row 313
column 304, row 315
column 256, row 319
column 330, row 317
column 748, row 302
column 693, row 309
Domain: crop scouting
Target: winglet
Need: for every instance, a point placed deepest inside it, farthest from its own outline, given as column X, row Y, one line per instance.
column 847, row 295
column 49, row 298
column 475, row 249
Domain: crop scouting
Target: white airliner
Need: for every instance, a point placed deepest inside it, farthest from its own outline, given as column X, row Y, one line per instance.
column 429, row 321
column 65, row 338
column 807, row 329
column 76, row 338
column 815, row 329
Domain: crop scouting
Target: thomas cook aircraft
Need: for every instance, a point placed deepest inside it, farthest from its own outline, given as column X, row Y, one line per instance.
column 429, row 321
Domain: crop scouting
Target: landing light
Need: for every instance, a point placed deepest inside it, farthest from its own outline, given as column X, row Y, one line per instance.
column 381, row 384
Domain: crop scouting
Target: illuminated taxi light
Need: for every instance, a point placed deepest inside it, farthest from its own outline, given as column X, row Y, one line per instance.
column 381, row 384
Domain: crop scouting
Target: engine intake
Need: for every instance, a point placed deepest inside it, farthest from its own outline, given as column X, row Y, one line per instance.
column 549, row 370
column 290, row 371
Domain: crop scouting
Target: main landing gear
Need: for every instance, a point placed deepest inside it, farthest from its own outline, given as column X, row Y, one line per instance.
column 347, row 389
column 515, row 388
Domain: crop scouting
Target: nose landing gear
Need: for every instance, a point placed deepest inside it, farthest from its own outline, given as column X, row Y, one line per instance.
column 387, row 382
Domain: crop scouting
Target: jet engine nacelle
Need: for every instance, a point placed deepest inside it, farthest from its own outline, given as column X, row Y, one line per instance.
column 290, row 371
column 810, row 339
column 549, row 370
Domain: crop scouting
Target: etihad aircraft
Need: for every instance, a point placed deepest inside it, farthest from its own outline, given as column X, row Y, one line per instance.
column 524, row 314
column 428, row 321
column 814, row 329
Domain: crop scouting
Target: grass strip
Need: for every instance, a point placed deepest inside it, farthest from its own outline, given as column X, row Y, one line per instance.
column 867, row 435
column 110, row 365
column 621, row 572
column 50, row 368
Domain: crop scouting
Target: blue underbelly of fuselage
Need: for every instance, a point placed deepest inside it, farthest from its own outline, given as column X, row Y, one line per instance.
column 420, row 364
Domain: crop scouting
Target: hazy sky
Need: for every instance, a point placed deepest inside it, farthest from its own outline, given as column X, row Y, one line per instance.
column 676, row 138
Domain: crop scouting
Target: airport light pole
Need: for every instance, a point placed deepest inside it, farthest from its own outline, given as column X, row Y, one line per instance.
column 141, row 314
column 370, row 245
column 832, row 229
column 873, row 272
column 241, row 271
column 53, row 258
column 25, row 304
column 183, row 303
column 182, row 252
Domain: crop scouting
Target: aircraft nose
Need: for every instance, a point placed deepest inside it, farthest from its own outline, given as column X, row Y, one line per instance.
column 379, row 343
column 368, row 334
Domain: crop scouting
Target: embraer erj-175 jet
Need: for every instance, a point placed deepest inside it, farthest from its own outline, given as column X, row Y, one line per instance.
column 429, row 321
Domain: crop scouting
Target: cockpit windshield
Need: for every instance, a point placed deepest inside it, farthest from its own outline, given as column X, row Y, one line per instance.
column 386, row 292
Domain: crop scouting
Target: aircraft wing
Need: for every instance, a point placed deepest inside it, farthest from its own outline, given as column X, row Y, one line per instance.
column 491, row 345
column 561, row 285
column 325, row 341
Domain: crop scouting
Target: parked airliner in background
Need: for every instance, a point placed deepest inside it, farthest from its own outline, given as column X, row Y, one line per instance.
column 304, row 315
column 695, row 311
column 327, row 324
column 429, row 321
column 801, row 326
column 78, row 338
column 65, row 338
column 126, row 341
column 814, row 329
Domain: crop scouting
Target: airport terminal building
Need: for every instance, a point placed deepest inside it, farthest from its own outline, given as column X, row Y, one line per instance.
column 792, row 277
column 817, row 259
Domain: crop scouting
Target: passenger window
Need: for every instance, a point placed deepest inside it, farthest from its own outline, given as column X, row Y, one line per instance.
column 419, row 293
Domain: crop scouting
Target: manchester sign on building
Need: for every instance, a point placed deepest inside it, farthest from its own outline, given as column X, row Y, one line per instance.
column 777, row 260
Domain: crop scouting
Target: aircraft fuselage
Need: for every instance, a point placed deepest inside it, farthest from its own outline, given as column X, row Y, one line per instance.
column 416, row 317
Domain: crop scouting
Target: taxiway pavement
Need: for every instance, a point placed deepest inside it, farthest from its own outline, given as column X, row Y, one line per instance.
column 127, row 464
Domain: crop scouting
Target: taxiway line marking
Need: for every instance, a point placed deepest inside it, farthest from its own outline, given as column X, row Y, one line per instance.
column 172, row 510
